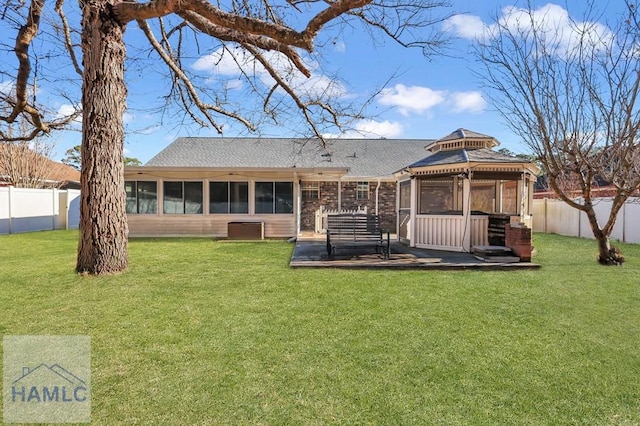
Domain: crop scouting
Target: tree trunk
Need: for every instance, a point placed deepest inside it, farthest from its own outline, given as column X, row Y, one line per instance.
column 103, row 222
column 607, row 255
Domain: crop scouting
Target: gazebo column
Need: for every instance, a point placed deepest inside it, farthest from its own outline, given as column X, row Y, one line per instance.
column 411, row 234
column 466, row 202
column 532, row 182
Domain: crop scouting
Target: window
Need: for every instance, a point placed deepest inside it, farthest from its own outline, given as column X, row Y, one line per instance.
column 142, row 197
column 483, row 196
column 228, row 197
column 509, row 197
column 274, row 197
column 182, row 198
column 311, row 190
column 405, row 194
column 362, row 191
column 440, row 196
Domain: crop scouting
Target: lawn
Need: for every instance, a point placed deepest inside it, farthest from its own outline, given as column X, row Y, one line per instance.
column 213, row 332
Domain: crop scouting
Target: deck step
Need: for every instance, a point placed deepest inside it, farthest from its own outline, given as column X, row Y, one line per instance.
column 495, row 254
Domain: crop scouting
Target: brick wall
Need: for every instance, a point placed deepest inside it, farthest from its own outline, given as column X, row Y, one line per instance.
column 518, row 238
column 329, row 199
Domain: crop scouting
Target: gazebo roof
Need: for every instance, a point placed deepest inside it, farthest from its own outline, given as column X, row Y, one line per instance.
column 464, row 156
column 463, row 139
column 464, row 151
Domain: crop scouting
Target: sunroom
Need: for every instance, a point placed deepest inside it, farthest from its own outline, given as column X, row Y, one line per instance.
column 463, row 194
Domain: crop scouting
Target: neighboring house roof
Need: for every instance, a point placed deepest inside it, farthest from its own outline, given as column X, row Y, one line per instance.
column 361, row 157
column 53, row 171
column 62, row 173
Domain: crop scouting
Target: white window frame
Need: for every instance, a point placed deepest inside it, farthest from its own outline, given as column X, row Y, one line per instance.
column 361, row 191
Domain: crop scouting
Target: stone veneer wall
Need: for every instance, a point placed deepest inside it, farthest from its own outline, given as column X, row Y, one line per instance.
column 329, row 199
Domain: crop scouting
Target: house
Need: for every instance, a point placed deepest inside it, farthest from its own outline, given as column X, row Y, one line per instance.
column 203, row 186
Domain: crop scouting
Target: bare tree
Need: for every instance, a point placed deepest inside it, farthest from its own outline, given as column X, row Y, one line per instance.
column 25, row 165
column 572, row 96
column 24, row 160
column 269, row 40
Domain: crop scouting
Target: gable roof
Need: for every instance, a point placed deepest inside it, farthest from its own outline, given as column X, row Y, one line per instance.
column 361, row 157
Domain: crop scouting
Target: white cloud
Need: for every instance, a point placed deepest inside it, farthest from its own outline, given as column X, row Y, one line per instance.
column 551, row 21
column 339, row 46
column 466, row 26
column 411, row 99
column 372, row 129
column 6, row 87
column 418, row 99
column 232, row 63
column 234, row 84
column 379, row 129
column 468, row 102
column 65, row 110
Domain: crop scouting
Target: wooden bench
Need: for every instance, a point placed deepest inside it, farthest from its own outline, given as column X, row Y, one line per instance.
column 356, row 230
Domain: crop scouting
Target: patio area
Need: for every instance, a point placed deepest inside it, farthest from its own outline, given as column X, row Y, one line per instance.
column 312, row 253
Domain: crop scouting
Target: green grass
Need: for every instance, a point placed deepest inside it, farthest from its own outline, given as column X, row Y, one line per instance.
column 206, row 332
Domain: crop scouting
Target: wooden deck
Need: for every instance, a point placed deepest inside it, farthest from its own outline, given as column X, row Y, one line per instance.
column 312, row 253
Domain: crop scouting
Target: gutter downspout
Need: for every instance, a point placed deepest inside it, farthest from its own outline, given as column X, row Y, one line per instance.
column 298, row 203
column 377, row 195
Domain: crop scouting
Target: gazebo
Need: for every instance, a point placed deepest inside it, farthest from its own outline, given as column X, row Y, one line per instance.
column 463, row 194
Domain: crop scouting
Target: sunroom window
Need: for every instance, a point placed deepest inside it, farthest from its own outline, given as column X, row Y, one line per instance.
column 142, row 197
column 182, row 198
column 228, row 197
column 274, row 197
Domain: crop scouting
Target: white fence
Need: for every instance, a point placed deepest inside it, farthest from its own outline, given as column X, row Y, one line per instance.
column 26, row 210
column 448, row 232
column 555, row 216
column 322, row 213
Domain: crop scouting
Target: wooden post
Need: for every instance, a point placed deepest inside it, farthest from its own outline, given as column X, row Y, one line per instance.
column 466, row 201
column 411, row 234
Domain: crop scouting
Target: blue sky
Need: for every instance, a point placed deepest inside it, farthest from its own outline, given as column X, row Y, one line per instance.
column 426, row 98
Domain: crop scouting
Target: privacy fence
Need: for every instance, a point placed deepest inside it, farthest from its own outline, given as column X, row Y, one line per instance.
column 555, row 216
column 26, row 210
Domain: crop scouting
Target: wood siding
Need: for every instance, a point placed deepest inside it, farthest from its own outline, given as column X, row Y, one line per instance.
column 215, row 226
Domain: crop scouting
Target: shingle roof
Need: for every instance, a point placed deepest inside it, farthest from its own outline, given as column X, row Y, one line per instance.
column 462, row 134
column 50, row 169
column 483, row 155
column 362, row 157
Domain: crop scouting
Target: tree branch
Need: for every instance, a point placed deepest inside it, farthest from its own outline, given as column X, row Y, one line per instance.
column 184, row 79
